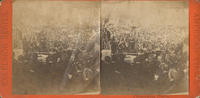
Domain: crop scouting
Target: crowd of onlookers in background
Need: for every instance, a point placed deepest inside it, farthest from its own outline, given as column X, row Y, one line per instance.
column 66, row 49
column 169, row 56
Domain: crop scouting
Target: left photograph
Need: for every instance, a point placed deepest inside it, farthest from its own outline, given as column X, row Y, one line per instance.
column 56, row 47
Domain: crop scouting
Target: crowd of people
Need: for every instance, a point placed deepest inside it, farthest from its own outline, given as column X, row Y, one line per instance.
column 158, row 54
column 75, row 53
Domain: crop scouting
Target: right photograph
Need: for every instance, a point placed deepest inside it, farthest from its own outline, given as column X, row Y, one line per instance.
column 144, row 47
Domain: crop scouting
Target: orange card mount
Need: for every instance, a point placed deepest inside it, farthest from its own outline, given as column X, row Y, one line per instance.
column 6, row 56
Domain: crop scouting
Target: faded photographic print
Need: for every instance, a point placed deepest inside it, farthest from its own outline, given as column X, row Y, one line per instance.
column 108, row 47
column 56, row 47
column 144, row 47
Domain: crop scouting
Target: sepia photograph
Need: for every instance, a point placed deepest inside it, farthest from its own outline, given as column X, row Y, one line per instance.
column 56, row 47
column 107, row 47
column 144, row 47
